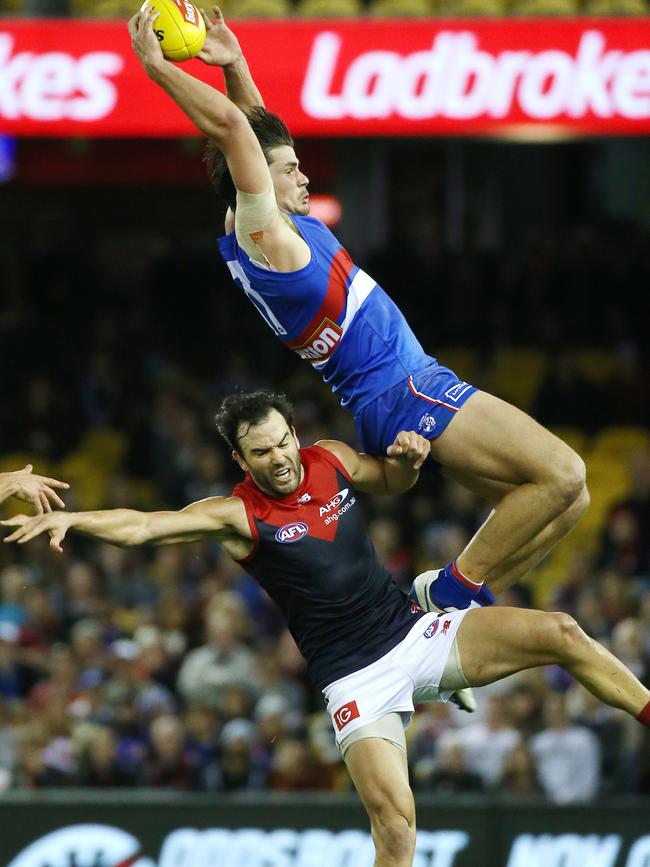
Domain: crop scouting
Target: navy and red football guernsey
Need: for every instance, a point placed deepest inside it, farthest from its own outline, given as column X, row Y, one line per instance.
column 313, row 556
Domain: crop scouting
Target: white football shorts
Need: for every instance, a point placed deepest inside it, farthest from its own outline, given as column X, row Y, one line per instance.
column 410, row 672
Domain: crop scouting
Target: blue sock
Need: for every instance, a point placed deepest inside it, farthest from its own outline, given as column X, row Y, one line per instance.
column 452, row 589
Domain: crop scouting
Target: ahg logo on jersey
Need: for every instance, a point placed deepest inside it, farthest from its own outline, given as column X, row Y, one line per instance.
column 291, row 532
column 346, row 714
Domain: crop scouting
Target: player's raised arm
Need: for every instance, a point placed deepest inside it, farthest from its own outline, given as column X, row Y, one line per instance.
column 212, row 112
column 40, row 491
column 394, row 474
column 216, row 517
column 221, row 48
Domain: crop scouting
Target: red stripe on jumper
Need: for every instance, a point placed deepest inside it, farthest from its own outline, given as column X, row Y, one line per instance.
column 430, row 399
column 458, row 575
column 335, row 297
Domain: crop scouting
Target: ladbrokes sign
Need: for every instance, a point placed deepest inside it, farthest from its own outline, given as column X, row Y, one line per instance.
column 512, row 77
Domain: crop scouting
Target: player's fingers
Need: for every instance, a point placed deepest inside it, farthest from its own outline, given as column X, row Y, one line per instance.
column 218, row 14
column 206, row 18
column 38, row 505
column 27, row 468
column 53, row 497
column 54, row 483
column 16, row 521
column 45, row 503
column 19, row 533
column 28, row 533
column 132, row 25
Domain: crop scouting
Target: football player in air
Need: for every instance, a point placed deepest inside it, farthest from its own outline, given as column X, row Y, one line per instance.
column 335, row 316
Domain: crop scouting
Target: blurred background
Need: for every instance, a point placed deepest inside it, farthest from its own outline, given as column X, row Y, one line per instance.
column 524, row 266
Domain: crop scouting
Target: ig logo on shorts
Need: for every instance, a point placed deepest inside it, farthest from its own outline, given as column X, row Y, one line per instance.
column 427, row 423
column 346, row 714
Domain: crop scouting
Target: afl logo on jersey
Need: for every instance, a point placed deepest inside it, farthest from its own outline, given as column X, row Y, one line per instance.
column 291, row 532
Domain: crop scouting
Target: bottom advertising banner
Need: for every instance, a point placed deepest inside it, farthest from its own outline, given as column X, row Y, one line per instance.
column 146, row 830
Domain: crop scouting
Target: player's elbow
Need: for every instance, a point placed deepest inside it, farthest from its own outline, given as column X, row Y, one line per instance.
column 232, row 124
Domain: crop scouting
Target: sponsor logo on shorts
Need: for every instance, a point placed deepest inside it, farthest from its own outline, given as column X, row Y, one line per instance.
column 445, row 627
column 427, row 423
column 291, row 532
column 457, row 391
column 432, row 628
column 346, row 714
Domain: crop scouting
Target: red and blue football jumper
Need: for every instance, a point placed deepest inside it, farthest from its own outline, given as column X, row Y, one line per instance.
column 313, row 556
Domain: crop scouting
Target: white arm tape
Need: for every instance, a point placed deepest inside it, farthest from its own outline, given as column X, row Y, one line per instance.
column 254, row 214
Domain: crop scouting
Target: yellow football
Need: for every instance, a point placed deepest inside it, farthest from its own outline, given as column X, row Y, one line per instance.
column 180, row 28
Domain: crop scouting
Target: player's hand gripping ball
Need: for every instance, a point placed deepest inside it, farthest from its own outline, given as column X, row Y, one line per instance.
column 180, row 28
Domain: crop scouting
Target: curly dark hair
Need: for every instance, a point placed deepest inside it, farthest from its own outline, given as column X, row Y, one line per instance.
column 271, row 132
column 252, row 408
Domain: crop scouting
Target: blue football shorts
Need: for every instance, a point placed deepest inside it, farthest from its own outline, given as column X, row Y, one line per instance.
column 426, row 401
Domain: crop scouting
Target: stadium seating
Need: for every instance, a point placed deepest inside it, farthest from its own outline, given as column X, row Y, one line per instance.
column 544, row 7
column 605, row 8
column 329, row 8
column 400, row 8
column 472, row 8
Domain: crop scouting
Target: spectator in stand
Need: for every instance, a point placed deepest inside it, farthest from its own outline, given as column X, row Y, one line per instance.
column 567, row 756
column 519, row 774
column 451, row 774
column 98, row 765
column 224, row 660
column 167, row 765
column 486, row 745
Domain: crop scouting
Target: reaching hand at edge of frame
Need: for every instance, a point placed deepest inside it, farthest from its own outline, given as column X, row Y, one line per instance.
column 410, row 447
column 144, row 40
column 221, row 46
column 56, row 524
column 30, row 488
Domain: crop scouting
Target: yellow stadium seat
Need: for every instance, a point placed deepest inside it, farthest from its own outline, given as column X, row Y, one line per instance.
column 462, row 361
column 607, row 8
column 595, row 364
column 18, row 460
column 10, row 7
column 122, row 9
column 330, row 8
column 515, row 375
column 573, row 437
column 472, row 8
column 104, row 446
column 621, row 442
column 544, row 7
column 401, row 8
column 259, row 8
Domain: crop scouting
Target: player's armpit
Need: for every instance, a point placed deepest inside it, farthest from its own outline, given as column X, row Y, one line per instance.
column 266, row 235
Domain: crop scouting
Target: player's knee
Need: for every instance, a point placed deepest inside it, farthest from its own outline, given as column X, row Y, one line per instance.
column 565, row 637
column 570, row 517
column 568, row 478
column 393, row 826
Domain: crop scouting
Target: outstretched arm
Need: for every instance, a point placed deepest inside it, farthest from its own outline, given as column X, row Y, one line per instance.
column 212, row 112
column 37, row 490
column 394, row 474
column 222, row 518
column 221, row 48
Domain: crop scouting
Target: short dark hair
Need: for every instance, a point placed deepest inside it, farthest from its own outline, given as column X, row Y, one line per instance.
column 252, row 407
column 271, row 132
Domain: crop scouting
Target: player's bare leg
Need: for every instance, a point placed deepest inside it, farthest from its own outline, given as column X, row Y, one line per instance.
column 541, row 479
column 518, row 564
column 380, row 774
column 493, row 643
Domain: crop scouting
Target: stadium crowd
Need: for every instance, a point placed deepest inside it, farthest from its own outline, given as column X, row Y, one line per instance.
column 169, row 667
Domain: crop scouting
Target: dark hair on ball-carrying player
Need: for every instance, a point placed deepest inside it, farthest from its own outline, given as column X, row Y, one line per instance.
column 270, row 131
